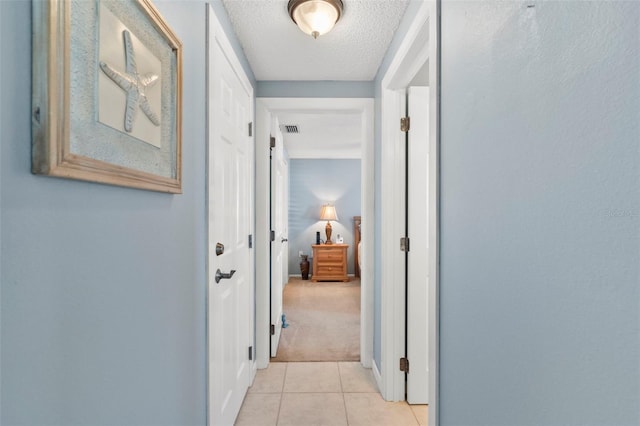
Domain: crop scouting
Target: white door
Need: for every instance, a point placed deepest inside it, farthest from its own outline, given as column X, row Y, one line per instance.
column 284, row 219
column 230, row 306
column 279, row 244
column 418, row 232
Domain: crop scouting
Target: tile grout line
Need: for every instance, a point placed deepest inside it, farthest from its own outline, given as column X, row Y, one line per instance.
column 284, row 379
column 344, row 402
column 414, row 413
column 340, row 377
column 415, row 416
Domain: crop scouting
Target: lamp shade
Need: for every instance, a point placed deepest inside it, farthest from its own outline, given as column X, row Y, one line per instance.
column 328, row 213
column 315, row 17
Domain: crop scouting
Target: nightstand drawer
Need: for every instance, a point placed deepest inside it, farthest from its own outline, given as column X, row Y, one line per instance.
column 330, row 255
column 330, row 262
column 330, row 269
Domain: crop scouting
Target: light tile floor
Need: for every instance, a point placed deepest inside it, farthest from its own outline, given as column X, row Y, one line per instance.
column 322, row 393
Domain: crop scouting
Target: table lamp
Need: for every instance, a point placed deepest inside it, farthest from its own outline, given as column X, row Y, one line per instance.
column 328, row 213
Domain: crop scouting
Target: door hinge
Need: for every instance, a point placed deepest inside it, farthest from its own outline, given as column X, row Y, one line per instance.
column 250, row 353
column 272, row 142
column 404, row 365
column 251, row 128
column 273, row 329
column 250, row 240
column 405, row 124
column 404, row 244
column 273, row 235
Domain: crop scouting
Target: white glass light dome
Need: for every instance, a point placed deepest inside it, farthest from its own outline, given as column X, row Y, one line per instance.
column 315, row 17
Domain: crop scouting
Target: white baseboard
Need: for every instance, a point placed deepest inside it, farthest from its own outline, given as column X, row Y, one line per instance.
column 365, row 360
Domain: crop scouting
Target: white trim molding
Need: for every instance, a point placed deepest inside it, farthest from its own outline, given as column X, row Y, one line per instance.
column 434, row 214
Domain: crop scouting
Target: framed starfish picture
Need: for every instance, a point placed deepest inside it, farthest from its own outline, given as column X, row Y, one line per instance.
column 107, row 94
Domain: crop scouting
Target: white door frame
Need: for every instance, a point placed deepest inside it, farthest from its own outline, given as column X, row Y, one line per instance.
column 264, row 108
column 419, row 46
column 216, row 30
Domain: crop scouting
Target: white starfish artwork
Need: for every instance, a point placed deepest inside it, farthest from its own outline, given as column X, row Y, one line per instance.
column 134, row 84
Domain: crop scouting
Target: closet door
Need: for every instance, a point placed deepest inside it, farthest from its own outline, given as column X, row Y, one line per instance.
column 418, row 232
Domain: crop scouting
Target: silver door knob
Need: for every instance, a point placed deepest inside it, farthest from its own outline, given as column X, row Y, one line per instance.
column 222, row 276
column 283, row 240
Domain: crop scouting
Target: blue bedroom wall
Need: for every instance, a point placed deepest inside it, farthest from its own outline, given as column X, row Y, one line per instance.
column 103, row 288
column 313, row 183
column 540, row 213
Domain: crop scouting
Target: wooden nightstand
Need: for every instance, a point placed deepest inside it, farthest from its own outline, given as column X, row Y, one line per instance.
column 330, row 262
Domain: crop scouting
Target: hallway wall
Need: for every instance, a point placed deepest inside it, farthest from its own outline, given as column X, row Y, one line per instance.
column 103, row 288
column 540, row 213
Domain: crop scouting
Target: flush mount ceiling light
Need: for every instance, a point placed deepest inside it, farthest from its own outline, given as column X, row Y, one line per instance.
column 315, row 17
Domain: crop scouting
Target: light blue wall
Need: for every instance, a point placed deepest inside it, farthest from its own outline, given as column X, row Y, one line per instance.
column 405, row 23
column 103, row 288
column 540, row 213
column 313, row 183
column 315, row 89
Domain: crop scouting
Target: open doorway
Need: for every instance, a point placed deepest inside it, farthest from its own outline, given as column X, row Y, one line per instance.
column 322, row 308
column 275, row 110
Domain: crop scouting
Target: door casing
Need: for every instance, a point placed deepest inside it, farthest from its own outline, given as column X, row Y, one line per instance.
column 421, row 44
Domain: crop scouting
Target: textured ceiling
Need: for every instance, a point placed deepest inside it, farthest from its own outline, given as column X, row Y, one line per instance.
column 277, row 50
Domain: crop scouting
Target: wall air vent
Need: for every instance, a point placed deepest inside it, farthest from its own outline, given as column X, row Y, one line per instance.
column 291, row 128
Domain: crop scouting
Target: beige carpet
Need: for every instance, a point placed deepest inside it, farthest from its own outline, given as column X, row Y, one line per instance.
column 324, row 321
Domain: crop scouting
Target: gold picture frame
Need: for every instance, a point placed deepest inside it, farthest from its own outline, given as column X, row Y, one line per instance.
column 75, row 91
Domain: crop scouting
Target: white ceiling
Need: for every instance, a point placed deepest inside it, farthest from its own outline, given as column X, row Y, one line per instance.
column 277, row 50
column 323, row 134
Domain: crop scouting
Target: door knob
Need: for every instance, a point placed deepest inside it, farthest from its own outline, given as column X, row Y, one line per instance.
column 222, row 276
column 283, row 240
